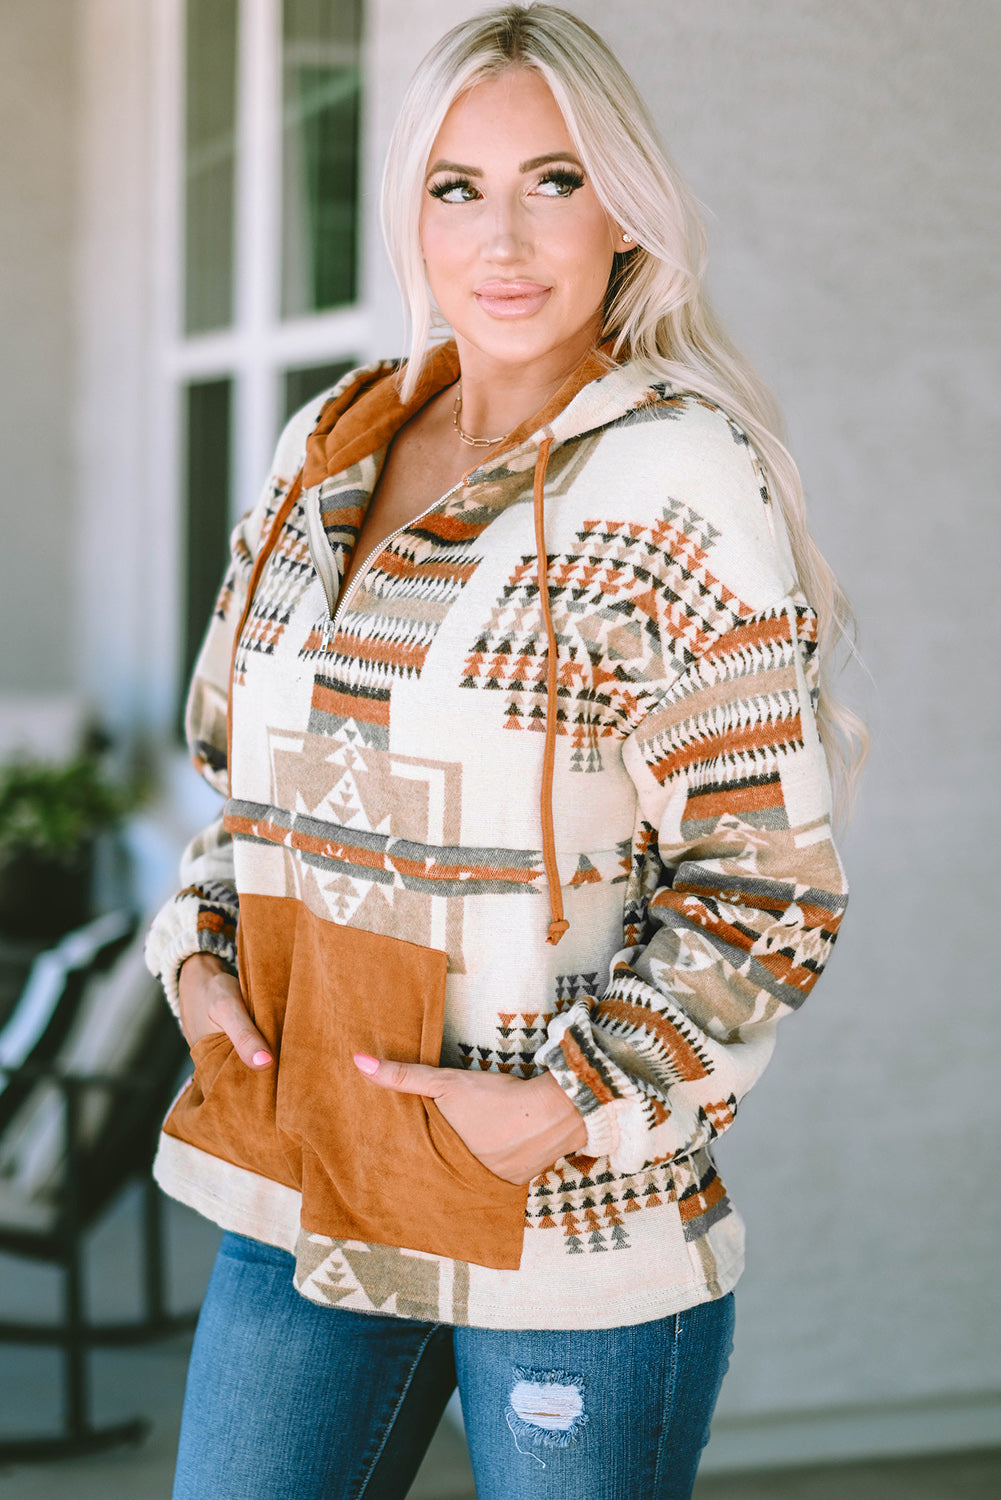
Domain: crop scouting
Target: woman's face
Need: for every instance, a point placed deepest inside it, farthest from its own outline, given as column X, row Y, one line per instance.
column 517, row 247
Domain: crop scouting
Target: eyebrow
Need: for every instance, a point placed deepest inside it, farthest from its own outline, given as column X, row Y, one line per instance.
column 531, row 165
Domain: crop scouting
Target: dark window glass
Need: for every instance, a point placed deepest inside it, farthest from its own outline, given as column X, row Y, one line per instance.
column 209, row 163
column 321, row 92
column 207, row 515
column 302, row 384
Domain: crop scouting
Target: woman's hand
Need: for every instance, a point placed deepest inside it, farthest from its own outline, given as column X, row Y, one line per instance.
column 211, row 1000
column 517, row 1127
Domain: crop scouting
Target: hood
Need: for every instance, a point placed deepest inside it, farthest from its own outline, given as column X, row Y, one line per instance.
column 367, row 413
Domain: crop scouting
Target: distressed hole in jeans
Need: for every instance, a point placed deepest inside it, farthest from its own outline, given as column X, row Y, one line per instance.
column 546, row 1408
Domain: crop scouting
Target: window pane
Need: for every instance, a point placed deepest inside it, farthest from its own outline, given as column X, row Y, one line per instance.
column 207, row 472
column 321, row 84
column 301, row 385
column 209, row 163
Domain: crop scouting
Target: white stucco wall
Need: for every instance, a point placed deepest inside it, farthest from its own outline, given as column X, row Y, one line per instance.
column 848, row 155
column 38, row 112
column 124, row 647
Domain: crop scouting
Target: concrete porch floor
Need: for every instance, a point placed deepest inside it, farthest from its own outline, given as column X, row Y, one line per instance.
column 150, row 1382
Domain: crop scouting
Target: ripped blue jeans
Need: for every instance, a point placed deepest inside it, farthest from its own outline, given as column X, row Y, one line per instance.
column 290, row 1401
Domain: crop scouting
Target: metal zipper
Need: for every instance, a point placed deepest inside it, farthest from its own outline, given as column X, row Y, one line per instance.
column 370, row 559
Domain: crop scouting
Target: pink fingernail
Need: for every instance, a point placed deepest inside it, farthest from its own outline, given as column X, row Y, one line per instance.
column 261, row 1059
column 367, row 1064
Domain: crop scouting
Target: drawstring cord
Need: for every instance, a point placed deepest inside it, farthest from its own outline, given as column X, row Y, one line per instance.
column 558, row 924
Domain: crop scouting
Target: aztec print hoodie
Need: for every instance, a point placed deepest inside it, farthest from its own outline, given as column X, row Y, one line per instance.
column 396, row 869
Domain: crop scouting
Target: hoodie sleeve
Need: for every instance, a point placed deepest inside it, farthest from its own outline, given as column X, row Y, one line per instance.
column 202, row 917
column 732, row 906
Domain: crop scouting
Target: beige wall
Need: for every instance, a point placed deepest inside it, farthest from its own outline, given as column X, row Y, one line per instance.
column 38, row 118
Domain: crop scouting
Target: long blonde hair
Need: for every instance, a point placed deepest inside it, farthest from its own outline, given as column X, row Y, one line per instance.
column 655, row 306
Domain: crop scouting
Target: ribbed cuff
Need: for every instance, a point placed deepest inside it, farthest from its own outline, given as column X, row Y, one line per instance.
column 167, row 963
column 600, row 1121
column 602, row 1130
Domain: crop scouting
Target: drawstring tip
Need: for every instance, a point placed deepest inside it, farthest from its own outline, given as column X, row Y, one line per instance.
column 556, row 930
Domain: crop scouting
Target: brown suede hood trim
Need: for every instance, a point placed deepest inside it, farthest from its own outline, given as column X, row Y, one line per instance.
column 369, row 413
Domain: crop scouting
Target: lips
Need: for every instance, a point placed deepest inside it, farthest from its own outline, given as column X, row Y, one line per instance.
column 511, row 299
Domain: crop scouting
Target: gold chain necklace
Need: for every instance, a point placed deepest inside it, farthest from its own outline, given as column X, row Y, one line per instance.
column 472, row 442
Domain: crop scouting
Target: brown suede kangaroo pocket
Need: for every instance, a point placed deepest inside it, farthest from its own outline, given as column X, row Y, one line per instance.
column 371, row 1165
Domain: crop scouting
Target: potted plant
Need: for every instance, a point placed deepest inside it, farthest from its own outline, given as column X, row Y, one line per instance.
column 51, row 817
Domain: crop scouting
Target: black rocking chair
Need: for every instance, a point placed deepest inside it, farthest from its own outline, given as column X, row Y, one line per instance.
column 101, row 1129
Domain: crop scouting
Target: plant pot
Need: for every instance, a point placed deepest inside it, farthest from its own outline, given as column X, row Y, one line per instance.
column 42, row 898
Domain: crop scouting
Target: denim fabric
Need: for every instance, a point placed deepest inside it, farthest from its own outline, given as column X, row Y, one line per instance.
column 287, row 1400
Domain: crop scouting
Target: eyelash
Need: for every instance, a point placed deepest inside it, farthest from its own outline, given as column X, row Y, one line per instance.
column 442, row 189
column 563, row 177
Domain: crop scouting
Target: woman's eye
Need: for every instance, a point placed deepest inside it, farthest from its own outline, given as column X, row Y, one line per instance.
column 560, row 183
column 456, row 190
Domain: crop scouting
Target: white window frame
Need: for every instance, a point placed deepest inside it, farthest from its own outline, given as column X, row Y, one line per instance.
column 260, row 344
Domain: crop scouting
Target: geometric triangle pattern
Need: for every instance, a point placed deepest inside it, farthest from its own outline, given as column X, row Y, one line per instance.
column 623, row 599
column 289, row 573
column 592, row 1206
column 393, row 617
column 520, row 1034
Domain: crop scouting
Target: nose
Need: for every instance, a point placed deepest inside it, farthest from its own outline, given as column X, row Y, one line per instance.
column 508, row 231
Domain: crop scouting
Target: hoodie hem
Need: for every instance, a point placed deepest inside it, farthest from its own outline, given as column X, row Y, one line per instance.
column 646, row 1307
column 243, row 1202
column 237, row 1200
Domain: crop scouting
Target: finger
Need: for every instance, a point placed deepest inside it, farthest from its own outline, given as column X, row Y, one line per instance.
column 231, row 1016
column 405, row 1078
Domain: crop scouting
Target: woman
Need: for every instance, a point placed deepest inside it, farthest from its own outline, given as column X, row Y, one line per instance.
column 513, row 689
